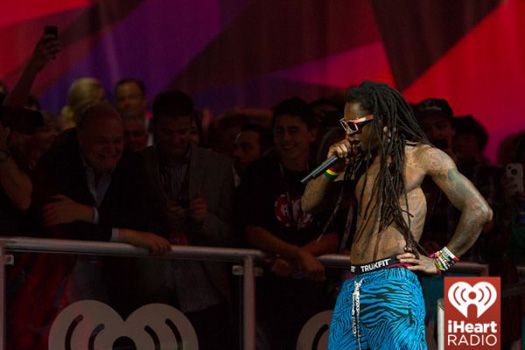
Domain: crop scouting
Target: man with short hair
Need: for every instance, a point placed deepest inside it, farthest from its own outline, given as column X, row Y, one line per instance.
column 383, row 161
column 196, row 186
column 292, row 290
column 130, row 94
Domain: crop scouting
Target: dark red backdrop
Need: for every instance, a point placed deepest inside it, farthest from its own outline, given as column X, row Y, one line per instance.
column 255, row 52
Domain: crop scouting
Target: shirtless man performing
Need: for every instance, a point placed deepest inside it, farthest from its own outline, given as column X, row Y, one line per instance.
column 380, row 305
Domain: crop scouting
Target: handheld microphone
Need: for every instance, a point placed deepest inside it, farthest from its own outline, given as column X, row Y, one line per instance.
column 320, row 169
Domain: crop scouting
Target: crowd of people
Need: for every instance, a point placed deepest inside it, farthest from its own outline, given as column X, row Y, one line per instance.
column 179, row 176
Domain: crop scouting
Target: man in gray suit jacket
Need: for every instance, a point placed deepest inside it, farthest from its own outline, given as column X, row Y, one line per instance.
column 197, row 188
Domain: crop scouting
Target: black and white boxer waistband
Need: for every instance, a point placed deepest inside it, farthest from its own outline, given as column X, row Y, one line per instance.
column 375, row 265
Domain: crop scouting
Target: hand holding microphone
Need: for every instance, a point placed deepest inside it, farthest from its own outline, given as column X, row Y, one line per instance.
column 338, row 158
column 343, row 150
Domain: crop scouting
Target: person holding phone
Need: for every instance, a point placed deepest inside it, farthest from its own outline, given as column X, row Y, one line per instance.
column 46, row 50
column 15, row 184
column 16, row 187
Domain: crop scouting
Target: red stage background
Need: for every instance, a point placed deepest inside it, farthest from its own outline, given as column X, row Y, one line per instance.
column 229, row 53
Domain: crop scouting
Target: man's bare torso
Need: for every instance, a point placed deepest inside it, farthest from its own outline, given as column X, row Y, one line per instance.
column 389, row 241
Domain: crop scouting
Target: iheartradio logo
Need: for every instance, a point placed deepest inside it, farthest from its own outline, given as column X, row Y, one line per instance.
column 90, row 324
column 461, row 295
column 478, row 330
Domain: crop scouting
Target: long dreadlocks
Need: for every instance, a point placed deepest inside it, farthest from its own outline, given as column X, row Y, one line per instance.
column 393, row 114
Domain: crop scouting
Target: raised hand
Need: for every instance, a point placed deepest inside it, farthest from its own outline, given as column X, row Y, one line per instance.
column 45, row 50
column 343, row 149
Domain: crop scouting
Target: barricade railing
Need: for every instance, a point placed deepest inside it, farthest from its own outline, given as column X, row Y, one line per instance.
column 248, row 258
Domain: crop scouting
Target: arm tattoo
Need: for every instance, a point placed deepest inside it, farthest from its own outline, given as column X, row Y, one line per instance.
column 318, row 194
column 475, row 211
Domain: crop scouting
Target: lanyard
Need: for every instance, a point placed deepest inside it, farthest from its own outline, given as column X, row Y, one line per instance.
column 289, row 203
column 174, row 187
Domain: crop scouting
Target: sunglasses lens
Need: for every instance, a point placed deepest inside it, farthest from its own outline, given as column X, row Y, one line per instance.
column 353, row 127
column 348, row 126
column 344, row 124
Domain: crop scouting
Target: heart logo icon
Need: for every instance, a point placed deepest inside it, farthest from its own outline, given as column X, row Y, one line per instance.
column 461, row 295
column 79, row 325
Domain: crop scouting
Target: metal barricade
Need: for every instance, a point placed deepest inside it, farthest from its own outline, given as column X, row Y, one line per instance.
column 247, row 257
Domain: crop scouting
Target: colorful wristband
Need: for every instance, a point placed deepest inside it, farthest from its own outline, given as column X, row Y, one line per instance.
column 330, row 174
column 449, row 254
column 444, row 259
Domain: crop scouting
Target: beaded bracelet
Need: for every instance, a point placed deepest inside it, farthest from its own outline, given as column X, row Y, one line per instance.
column 444, row 259
column 330, row 174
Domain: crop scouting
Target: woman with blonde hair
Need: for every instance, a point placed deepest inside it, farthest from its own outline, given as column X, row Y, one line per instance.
column 82, row 93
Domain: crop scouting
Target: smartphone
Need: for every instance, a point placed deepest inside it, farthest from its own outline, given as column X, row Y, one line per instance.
column 22, row 120
column 514, row 172
column 51, row 30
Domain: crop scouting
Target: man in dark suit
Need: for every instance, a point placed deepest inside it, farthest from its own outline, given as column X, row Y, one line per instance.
column 87, row 188
column 91, row 189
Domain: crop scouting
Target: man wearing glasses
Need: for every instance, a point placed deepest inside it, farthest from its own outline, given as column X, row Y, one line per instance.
column 384, row 158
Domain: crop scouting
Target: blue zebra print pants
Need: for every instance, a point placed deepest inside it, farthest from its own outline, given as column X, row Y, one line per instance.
column 382, row 309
